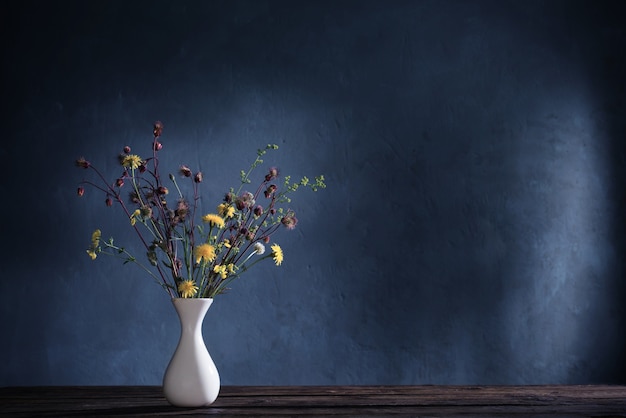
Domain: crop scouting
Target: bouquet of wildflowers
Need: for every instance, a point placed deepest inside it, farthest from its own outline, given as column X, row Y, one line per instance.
column 187, row 253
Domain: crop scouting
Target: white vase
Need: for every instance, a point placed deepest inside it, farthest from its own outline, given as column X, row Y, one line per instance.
column 191, row 378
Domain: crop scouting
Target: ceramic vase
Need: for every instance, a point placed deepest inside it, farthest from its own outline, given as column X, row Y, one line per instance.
column 191, row 378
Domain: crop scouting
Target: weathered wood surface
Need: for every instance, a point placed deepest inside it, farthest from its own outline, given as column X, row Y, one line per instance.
column 355, row 401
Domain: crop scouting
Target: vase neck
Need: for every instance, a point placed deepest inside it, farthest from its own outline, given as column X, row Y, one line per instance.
column 191, row 312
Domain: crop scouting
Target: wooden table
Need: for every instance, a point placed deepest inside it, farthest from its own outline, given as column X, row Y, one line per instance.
column 353, row 401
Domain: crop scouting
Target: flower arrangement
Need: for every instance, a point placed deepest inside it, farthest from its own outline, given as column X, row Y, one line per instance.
column 192, row 257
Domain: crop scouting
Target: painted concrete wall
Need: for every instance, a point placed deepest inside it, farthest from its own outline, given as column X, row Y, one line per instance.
column 471, row 231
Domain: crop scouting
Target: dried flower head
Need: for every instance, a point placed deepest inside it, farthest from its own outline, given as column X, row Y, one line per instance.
column 185, row 171
column 289, row 221
column 157, row 129
column 245, row 201
column 182, row 208
column 145, row 212
column 82, row 163
column 270, row 190
column 272, row 174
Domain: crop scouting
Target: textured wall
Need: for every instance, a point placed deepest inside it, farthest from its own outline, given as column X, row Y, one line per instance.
column 472, row 227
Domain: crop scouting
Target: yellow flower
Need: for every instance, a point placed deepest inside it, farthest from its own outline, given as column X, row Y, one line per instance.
column 133, row 217
column 277, row 252
column 95, row 244
column 95, row 238
column 226, row 210
column 132, row 161
column 214, row 220
column 227, row 243
column 187, row 288
column 221, row 270
column 204, row 251
column 231, row 268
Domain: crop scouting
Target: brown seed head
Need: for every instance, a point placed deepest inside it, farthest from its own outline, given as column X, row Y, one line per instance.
column 185, row 171
column 157, row 129
column 289, row 221
column 272, row 174
column 270, row 190
column 82, row 163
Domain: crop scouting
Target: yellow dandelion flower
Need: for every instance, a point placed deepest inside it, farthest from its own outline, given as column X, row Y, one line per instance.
column 92, row 254
column 225, row 210
column 132, row 161
column 231, row 268
column 187, row 288
column 214, row 220
column 277, row 253
column 227, row 243
column 204, row 251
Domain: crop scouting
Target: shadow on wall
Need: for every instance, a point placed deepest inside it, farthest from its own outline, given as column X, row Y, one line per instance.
column 567, row 280
column 608, row 71
column 501, row 262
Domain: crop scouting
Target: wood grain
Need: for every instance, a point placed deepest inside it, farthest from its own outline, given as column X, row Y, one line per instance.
column 357, row 401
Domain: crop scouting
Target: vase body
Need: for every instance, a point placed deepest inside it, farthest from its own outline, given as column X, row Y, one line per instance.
column 191, row 378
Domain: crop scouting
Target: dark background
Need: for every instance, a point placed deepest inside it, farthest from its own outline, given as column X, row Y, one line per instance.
column 472, row 228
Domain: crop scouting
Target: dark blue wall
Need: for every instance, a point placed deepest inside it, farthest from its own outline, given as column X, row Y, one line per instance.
column 472, row 230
